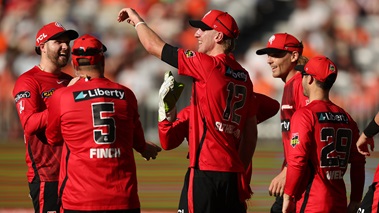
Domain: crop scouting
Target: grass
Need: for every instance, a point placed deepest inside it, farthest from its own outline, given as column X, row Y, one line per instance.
column 160, row 180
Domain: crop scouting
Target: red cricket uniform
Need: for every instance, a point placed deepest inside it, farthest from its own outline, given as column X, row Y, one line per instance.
column 99, row 123
column 172, row 134
column 32, row 93
column 323, row 142
column 292, row 100
column 222, row 100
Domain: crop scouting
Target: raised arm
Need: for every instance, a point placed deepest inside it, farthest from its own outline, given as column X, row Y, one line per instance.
column 149, row 39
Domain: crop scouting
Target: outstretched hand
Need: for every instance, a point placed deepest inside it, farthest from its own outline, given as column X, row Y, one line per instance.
column 151, row 151
column 363, row 145
column 130, row 15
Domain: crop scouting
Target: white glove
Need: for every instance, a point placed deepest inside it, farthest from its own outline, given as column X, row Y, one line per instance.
column 169, row 94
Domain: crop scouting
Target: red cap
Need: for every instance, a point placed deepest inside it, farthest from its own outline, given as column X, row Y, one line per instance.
column 219, row 21
column 281, row 42
column 88, row 47
column 320, row 67
column 51, row 31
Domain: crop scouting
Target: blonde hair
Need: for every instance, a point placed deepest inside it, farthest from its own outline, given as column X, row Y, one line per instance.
column 302, row 60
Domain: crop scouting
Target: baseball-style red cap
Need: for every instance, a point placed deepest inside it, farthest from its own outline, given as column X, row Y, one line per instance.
column 281, row 42
column 50, row 32
column 219, row 21
column 320, row 67
column 88, row 47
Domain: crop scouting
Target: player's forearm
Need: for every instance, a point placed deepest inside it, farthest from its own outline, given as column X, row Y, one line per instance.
column 169, row 136
column 248, row 142
column 35, row 122
column 150, row 40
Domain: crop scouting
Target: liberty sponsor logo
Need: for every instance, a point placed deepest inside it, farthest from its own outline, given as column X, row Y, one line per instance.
column 239, row 75
column 285, row 125
column 22, row 94
column 47, row 94
column 295, row 140
column 330, row 117
column 98, row 92
column 105, row 153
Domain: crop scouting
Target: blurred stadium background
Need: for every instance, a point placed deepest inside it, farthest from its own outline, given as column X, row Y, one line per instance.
column 347, row 31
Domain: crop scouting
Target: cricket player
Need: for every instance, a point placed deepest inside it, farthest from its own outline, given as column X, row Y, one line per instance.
column 98, row 123
column 222, row 122
column 323, row 144
column 32, row 93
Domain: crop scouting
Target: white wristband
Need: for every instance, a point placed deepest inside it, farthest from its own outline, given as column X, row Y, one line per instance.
column 141, row 22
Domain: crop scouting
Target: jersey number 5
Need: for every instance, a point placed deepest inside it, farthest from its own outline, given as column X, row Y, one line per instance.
column 104, row 125
column 335, row 154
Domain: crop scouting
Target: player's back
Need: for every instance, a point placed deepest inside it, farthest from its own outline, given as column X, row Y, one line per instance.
column 98, row 122
column 334, row 136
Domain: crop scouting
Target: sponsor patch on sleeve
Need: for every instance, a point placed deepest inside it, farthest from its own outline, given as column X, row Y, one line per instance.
column 295, row 139
column 21, row 95
column 189, row 53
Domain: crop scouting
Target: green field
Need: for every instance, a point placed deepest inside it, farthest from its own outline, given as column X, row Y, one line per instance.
column 160, row 180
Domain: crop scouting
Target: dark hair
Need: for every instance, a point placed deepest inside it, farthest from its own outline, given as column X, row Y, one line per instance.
column 86, row 62
column 328, row 83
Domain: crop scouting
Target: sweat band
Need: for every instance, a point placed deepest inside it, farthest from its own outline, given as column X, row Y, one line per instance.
column 372, row 129
column 141, row 22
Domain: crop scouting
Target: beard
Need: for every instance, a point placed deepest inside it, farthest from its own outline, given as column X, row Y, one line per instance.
column 57, row 58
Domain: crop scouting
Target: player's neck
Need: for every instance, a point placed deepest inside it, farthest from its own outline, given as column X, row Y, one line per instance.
column 319, row 94
column 50, row 68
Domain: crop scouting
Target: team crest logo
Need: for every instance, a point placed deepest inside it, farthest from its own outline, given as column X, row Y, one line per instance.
column 332, row 68
column 59, row 25
column 295, row 139
column 271, row 39
column 189, row 53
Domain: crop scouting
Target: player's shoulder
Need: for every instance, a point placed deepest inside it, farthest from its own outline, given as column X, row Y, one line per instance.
column 28, row 74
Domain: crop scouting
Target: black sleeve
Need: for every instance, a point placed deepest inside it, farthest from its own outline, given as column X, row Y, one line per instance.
column 170, row 55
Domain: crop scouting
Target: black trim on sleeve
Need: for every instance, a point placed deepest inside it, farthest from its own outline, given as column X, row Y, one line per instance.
column 170, row 55
column 372, row 129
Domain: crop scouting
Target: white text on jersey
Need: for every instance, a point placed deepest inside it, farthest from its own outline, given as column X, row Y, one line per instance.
column 334, row 175
column 228, row 128
column 105, row 153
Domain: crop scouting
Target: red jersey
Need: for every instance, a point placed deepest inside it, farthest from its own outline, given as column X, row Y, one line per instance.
column 99, row 123
column 172, row 134
column 376, row 175
column 222, row 100
column 292, row 100
column 32, row 93
column 323, row 142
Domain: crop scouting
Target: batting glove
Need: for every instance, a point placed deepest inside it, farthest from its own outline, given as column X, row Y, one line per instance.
column 169, row 94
